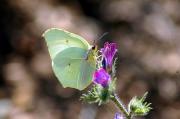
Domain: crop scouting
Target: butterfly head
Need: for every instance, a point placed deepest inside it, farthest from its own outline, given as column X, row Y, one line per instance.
column 94, row 48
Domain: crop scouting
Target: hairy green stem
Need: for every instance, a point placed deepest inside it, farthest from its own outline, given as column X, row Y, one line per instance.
column 119, row 104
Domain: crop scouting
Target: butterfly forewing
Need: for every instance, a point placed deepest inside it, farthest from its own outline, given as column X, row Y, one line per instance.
column 58, row 40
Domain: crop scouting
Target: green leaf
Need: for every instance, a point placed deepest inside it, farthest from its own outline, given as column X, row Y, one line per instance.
column 114, row 68
column 99, row 94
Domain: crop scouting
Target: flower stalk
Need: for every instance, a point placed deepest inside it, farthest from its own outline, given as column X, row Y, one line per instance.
column 121, row 107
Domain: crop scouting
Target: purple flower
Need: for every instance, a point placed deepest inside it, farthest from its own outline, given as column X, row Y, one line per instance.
column 108, row 52
column 101, row 77
column 118, row 116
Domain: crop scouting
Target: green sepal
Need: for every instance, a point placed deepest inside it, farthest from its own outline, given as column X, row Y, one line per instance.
column 138, row 106
column 113, row 73
column 98, row 94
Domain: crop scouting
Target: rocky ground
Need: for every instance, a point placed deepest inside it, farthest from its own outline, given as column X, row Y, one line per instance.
column 148, row 37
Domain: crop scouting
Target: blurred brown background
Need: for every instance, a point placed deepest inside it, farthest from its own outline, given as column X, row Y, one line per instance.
column 148, row 37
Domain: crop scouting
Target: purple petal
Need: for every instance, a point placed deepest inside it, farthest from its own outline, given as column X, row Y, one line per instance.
column 101, row 77
column 118, row 116
column 109, row 52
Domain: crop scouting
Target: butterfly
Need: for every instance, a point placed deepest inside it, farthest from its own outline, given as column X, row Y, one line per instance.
column 73, row 58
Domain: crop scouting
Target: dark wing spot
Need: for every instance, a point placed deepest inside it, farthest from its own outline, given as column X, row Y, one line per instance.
column 67, row 41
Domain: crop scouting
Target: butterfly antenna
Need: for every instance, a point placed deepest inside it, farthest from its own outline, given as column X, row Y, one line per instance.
column 104, row 34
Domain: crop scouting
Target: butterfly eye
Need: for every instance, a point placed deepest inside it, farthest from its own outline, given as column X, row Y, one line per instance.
column 93, row 47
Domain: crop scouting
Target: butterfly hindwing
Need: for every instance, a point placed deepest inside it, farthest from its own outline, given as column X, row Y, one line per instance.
column 73, row 69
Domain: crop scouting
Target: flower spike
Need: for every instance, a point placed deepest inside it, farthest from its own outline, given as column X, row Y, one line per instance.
column 109, row 52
